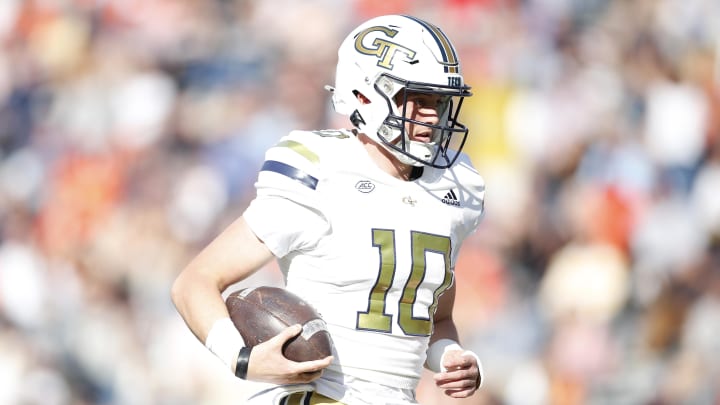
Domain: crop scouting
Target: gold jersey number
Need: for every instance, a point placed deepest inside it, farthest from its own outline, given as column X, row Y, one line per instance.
column 376, row 317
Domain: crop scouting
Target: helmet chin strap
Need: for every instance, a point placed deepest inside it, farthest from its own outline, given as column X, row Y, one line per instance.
column 419, row 149
column 422, row 150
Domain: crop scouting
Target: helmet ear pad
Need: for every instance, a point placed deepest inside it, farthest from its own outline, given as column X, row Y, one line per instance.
column 374, row 104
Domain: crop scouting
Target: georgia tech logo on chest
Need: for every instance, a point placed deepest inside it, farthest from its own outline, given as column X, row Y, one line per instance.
column 382, row 49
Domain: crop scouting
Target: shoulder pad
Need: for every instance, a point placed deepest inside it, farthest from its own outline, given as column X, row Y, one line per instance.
column 467, row 177
column 296, row 161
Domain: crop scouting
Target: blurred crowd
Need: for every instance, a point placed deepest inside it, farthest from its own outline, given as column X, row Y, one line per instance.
column 131, row 132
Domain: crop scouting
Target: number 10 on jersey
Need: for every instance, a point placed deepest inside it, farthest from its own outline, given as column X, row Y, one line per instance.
column 376, row 318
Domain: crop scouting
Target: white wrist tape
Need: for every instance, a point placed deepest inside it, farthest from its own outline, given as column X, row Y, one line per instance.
column 225, row 341
column 437, row 351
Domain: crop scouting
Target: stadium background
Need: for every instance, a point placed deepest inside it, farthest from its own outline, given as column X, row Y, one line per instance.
column 131, row 132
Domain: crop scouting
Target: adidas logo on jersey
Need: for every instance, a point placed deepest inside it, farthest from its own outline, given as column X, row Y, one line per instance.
column 451, row 199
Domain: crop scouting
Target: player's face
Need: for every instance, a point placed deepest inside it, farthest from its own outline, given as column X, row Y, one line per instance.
column 425, row 108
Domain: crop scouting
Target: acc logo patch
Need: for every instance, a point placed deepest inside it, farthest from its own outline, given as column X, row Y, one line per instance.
column 365, row 186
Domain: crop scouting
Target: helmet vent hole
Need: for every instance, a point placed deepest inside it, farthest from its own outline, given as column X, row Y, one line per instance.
column 357, row 119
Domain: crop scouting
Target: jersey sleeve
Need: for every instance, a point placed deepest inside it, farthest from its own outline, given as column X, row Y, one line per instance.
column 472, row 194
column 287, row 213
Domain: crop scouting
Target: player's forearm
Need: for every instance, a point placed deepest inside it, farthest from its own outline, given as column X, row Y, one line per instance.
column 444, row 338
column 231, row 257
column 444, row 329
column 199, row 303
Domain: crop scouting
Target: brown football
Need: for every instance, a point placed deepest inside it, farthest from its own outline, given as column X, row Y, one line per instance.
column 260, row 313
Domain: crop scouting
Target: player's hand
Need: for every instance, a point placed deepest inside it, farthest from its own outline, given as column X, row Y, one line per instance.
column 462, row 376
column 267, row 363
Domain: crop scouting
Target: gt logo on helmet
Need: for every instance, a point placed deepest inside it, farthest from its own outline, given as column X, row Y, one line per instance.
column 383, row 49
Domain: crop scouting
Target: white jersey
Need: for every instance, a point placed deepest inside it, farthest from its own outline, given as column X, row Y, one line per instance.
column 370, row 252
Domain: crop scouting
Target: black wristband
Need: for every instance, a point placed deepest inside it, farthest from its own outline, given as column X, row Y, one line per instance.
column 243, row 360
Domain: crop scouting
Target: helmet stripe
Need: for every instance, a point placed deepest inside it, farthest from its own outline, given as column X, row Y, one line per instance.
column 450, row 59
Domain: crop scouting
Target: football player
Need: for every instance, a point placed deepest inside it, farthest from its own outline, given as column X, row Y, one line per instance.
column 366, row 224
